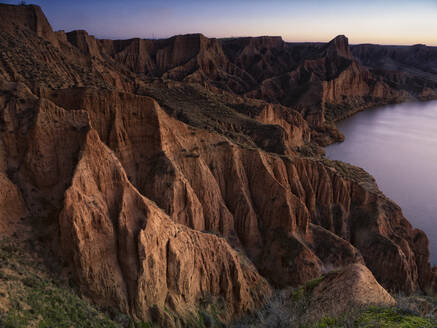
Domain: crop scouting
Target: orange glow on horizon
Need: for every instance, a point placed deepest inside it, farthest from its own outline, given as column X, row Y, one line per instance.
column 402, row 22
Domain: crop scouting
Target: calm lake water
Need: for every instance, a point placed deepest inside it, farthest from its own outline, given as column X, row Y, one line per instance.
column 398, row 146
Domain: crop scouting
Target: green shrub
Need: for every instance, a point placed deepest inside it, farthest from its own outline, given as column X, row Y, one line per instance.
column 392, row 318
column 37, row 299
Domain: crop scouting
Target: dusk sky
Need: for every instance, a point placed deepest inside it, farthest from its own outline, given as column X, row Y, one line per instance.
column 385, row 22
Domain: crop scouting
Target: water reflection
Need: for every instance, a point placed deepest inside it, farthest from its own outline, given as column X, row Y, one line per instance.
column 398, row 146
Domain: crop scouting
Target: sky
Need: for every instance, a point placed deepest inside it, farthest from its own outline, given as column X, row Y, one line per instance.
column 362, row 21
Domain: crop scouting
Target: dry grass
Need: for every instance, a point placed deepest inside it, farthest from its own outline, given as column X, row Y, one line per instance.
column 287, row 309
column 30, row 296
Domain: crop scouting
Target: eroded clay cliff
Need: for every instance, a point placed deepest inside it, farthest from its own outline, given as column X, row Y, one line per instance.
column 167, row 187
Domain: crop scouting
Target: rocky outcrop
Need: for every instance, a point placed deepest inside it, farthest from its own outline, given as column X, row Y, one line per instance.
column 84, row 42
column 398, row 58
column 35, row 55
column 108, row 230
column 27, row 17
column 12, row 207
column 411, row 68
column 127, row 253
column 317, row 211
column 169, row 163
column 345, row 290
column 191, row 57
column 324, row 81
column 261, row 57
column 182, row 169
column 38, row 159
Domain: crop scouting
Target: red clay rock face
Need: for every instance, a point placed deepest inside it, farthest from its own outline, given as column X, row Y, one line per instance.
column 330, row 84
column 397, row 58
column 12, row 207
column 260, row 57
column 134, row 53
column 321, row 80
column 150, row 210
column 266, row 68
column 128, row 253
column 358, row 212
column 183, row 170
column 191, row 57
column 296, row 130
column 84, row 42
column 265, row 205
column 207, row 183
column 29, row 17
column 113, row 238
column 40, row 58
column 350, row 288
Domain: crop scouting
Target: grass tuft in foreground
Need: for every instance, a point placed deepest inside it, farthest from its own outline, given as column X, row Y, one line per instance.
column 377, row 317
column 31, row 297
